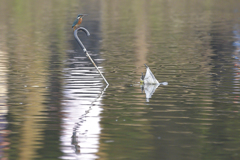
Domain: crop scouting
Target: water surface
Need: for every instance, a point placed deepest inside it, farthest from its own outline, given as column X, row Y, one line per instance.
column 55, row 105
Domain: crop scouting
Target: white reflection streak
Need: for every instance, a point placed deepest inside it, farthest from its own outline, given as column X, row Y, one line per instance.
column 3, row 99
column 81, row 110
column 236, row 56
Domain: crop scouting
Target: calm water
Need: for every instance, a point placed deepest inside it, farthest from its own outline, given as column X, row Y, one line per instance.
column 55, row 105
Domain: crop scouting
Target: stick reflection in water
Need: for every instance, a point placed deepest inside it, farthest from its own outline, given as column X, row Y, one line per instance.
column 82, row 107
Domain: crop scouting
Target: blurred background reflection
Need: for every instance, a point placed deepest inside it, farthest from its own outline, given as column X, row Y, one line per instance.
column 54, row 104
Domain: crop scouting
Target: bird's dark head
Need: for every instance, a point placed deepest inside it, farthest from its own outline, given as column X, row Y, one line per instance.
column 81, row 16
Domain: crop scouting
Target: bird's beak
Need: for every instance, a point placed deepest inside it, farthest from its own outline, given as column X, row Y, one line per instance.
column 84, row 15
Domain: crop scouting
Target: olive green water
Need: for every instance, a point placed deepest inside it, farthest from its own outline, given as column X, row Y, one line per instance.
column 55, row 105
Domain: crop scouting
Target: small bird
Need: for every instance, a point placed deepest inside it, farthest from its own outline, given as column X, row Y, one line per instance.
column 78, row 21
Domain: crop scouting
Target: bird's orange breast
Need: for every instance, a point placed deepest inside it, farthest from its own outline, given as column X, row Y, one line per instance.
column 79, row 21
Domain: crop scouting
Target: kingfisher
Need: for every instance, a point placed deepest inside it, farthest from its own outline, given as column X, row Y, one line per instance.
column 78, row 21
